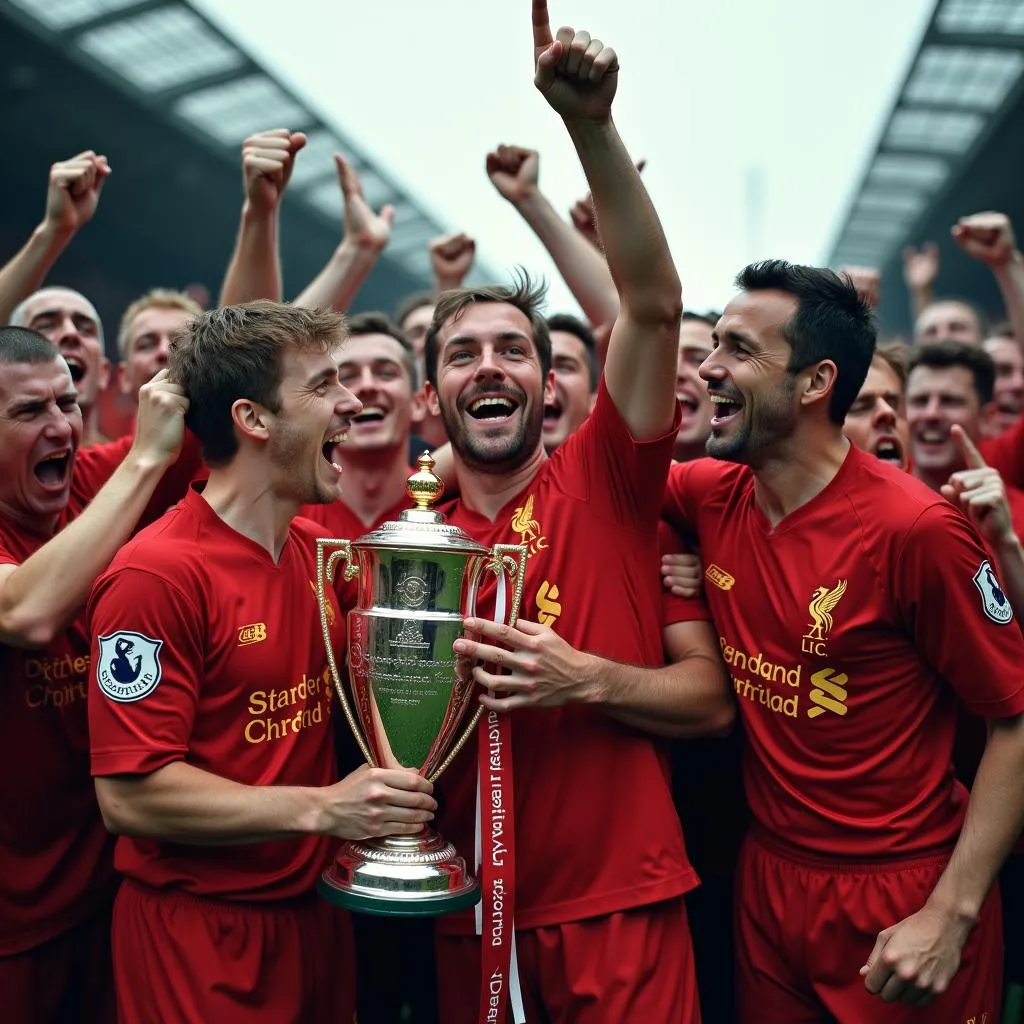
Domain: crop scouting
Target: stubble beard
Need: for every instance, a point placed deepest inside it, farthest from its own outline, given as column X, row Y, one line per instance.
column 498, row 455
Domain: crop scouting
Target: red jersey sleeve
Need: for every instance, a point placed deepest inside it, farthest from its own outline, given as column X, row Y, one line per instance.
column 7, row 557
column 688, row 484
column 617, row 474
column 673, row 607
column 149, row 665
column 1006, row 453
column 957, row 615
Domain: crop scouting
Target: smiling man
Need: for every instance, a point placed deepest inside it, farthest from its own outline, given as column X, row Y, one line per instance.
column 576, row 373
column 211, row 699
column 877, row 420
column 862, row 603
column 64, row 512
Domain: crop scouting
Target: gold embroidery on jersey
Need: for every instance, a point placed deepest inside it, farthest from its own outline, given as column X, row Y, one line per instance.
column 829, row 693
column 528, row 528
column 254, row 634
column 548, row 606
column 721, row 579
column 820, row 609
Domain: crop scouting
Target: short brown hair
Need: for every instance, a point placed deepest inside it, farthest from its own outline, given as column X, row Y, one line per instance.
column 943, row 355
column 381, row 323
column 523, row 293
column 235, row 352
column 895, row 355
column 155, row 298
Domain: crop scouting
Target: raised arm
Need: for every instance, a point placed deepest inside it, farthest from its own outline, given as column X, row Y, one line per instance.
column 989, row 237
column 365, row 235
column 514, row 172
column 255, row 268
column 578, row 78
column 71, row 201
column 688, row 696
column 451, row 259
column 40, row 597
column 920, row 268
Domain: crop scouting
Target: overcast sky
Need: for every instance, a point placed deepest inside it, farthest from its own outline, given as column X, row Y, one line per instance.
column 714, row 93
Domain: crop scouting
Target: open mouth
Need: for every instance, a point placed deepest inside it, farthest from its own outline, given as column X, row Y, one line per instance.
column 54, row 470
column 495, row 407
column 889, row 449
column 77, row 368
column 552, row 412
column 932, row 436
column 726, row 407
column 329, row 449
column 370, row 414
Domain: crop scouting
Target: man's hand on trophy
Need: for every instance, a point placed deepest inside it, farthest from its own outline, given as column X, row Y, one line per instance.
column 536, row 667
column 377, row 802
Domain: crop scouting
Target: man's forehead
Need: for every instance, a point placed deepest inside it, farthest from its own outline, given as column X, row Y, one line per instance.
column 159, row 317
column 881, row 378
column 695, row 334
column 759, row 311
column 58, row 300
column 20, row 381
column 486, row 318
column 945, row 378
column 367, row 348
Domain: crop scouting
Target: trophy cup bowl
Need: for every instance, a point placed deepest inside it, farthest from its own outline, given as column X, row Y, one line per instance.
column 417, row 579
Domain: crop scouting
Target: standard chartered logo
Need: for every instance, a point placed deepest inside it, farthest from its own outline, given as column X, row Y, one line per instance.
column 829, row 693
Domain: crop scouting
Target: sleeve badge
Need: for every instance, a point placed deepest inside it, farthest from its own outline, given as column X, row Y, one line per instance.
column 129, row 666
column 994, row 603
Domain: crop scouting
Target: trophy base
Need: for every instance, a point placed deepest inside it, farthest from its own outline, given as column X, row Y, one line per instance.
column 400, row 876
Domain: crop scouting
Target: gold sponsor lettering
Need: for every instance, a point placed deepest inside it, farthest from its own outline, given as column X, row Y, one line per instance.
column 254, row 634
column 829, row 693
column 548, row 606
column 56, row 669
column 721, row 579
column 305, row 704
column 44, row 695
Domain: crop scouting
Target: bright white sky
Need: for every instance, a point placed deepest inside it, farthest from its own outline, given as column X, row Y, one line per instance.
column 712, row 93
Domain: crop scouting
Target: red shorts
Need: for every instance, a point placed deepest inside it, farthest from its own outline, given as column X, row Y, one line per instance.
column 181, row 959
column 636, row 965
column 804, row 928
column 67, row 978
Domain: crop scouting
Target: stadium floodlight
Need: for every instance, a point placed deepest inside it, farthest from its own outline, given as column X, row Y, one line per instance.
column 233, row 110
column 933, row 131
column 905, row 169
column 63, row 14
column 963, row 76
column 982, row 17
column 316, row 159
column 160, row 49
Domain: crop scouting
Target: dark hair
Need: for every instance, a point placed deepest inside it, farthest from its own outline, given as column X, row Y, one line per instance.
column 710, row 318
column 381, row 323
column 526, row 296
column 941, row 355
column 830, row 322
column 574, row 325
column 236, row 352
column 413, row 302
column 22, row 345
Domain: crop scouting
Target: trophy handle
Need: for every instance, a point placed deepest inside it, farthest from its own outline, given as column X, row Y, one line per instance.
column 326, row 566
column 505, row 560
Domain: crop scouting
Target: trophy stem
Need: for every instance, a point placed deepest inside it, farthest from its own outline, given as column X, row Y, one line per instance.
column 418, row 875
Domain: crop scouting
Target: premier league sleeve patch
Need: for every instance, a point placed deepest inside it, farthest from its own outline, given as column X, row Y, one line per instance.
column 994, row 603
column 129, row 666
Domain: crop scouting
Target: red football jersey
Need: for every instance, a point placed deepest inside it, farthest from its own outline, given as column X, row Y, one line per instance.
column 56, row 860
column 596, row 830
column 849, row 629
column 1006, row 453
column 207, row 651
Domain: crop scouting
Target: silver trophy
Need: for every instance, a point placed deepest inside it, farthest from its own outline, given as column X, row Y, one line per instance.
column 417, row 580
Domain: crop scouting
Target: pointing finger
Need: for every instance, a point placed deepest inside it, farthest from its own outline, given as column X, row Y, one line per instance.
column 972, row 456
column 541, row 27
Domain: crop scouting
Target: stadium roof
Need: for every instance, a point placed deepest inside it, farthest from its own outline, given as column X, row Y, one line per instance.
column 951, row 146
column 170, row 98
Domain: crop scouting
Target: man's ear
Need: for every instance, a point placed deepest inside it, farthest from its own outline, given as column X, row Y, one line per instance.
column 251, row 418
column 430, row 397
column 819, row 382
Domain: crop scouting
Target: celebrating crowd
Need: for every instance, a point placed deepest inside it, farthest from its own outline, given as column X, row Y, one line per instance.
column 766, row 720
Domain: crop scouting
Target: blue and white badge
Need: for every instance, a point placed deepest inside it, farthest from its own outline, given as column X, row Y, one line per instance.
column 129, row 666
column 994, row 603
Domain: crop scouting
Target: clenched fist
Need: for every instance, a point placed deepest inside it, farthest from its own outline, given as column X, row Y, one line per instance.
column 74, row 191
column 987, row 237
column 577, row 75
column 514, row 172
column 267, row 161
column 451, row 257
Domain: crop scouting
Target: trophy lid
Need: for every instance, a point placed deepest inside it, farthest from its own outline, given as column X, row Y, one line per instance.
column 421, row 526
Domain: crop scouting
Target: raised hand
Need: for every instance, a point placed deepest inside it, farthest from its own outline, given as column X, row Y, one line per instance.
column 577, row 75
column 867, row 281
column 160, row 423
column 987, row 237
column 451, row 257
column 363, row 227
column 74, row 191
column 513, row 172
column 267, row 161
column 979, row 492
column 921, row 266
